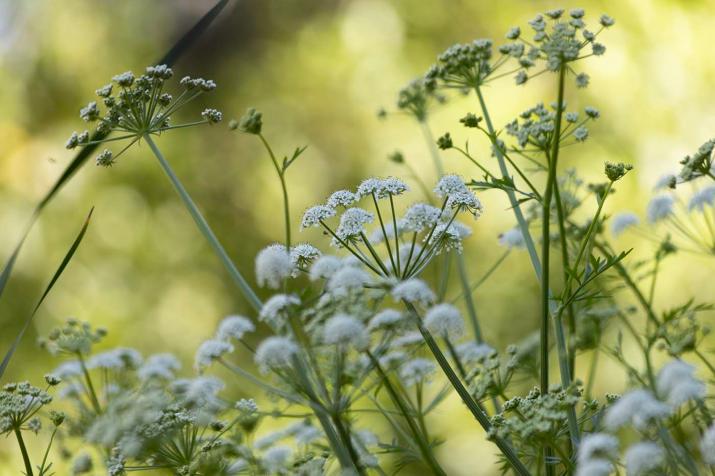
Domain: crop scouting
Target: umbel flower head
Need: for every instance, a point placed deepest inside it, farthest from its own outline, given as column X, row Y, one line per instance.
column 138, row 106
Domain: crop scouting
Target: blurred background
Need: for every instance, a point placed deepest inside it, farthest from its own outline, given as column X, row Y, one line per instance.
column 319, row 70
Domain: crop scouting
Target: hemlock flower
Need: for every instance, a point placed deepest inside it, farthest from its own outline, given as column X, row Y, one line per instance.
column 704, row 197
column 116, row 359
column 275, row 353
column 324, row 267
column 385, row 319
column 676, row 383
column 276, row 310
column 420, row 216
column 512, row 238
column 470, row 352
column 449, row 185
column 275, row 459
column 623, row 221
column 643, row 458
column 348, row 279
column 251, row 122
column 638, row 408
column 615, row 172
column 159, row 366
column 444, row 320
column 414, row 291
column 314, row 215
column 137, row 106
column 598, row 446
column 660, row 208
column 273, row 266
column 345, row 330
column 342, row 198
column 416, row 371
column 209, row 351
column 234, row 327
column 352, row 225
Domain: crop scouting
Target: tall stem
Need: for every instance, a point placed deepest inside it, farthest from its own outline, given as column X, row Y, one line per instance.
column 205, row 229
column 281, row 176
column 474, row 407
column 23, row 450
column 546, row 238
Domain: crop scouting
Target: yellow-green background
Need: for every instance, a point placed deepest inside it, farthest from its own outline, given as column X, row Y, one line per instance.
column 319, row 70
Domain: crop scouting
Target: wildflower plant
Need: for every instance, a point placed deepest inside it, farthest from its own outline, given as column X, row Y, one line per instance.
column 357, row 329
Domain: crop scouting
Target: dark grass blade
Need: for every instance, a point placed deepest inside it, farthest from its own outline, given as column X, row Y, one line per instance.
column 65, row 261
column 176, row 51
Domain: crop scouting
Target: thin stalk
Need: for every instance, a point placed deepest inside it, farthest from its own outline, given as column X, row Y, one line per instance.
column 205, row 229
column 433, row 152
column 546, row 238
column 90, row 386
column 397, row 235
column 23, row 450
column 468, row 300
column 395, row 269
column 281, row 176
column 474, row 407
column 473, row 287
column 513, row 201
column 565, row 265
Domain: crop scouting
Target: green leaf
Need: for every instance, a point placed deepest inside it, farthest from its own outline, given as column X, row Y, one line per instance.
column 65, row 261
column 176, row 51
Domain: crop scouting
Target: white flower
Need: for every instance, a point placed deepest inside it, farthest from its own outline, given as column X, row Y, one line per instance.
column 665, row 181
column 209, row 351
column 82, row 464
column 707, row 445
column 342, row 198
column 413, row 291
column 377, row 236
column 381, row 188
column 642, row 458
column 465, row 201
column 314, row 215
column 450, row 185
column 450, row 237
column 659, row 208
column 275, row 353
column 704, row 197
column 638, row 407
column 345, row 330
column 407, row 339
column 324, row 267
column 199, row 392
column 416, row 371
column 444, row 320
column 275, row 310
column 302, row 255
column 234, row 327
column 393, row 186
column 116, row 359
column 676, row 383
column 385, row 319
column 597, row 446
column 407, row 251
column 623, row 221
column 276, row 459
column 352, row 224
column 348, row 279
column 470, row 352
column 421, row 216
column 513, row 238
column 273, row 266
column 159, row 366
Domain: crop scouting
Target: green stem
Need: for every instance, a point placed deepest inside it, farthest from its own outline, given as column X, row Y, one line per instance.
column 90, row 387
column 205, row 229
column 281, row 177
column 474, row 407
column 23, row 450
column 468, row 300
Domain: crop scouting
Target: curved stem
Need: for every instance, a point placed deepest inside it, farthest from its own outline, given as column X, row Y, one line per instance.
column 205, row 229
column 281, row 177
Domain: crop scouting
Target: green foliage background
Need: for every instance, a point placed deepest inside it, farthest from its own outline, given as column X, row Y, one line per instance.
column 319, row 70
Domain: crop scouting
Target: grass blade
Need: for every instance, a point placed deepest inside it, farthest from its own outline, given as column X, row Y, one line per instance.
column 63, row 265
